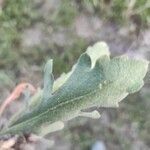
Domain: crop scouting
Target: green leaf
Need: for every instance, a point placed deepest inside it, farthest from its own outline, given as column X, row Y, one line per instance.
column 48, row 80
column 95, row 80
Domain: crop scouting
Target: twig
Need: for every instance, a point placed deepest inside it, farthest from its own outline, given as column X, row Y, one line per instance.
column 16, row 94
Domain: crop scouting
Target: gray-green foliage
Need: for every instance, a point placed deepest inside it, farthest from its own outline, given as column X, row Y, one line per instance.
column 95, row 80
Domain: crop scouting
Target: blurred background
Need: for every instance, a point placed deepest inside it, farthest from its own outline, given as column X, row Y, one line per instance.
column 31, row 32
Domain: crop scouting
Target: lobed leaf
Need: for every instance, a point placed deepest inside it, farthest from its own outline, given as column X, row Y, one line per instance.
column 95, row 80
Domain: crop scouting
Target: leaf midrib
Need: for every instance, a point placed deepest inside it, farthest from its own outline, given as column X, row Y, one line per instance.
column 56, row 107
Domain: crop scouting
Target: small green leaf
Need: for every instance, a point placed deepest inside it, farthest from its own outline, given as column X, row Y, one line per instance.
column 48, row 80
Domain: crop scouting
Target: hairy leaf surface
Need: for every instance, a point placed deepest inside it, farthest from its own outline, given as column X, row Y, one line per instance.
column 95, row 80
